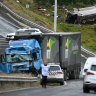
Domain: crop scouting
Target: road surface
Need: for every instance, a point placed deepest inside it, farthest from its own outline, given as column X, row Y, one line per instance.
column 5, row 25
column 73, row 88
column 8, row 24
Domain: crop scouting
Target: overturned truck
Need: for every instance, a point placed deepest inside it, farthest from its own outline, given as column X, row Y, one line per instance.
column 81, row 16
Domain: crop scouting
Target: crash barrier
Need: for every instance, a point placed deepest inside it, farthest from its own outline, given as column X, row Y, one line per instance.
column 87, row 53
column 25, row 21
column 13, row 83
column 14, row 78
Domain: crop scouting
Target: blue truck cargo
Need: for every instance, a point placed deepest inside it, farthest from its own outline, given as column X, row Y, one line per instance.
column 21, row 55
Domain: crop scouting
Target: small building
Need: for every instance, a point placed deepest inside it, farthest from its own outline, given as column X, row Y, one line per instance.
column 81, row 16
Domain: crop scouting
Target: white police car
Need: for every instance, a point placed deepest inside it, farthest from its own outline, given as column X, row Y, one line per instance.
column 55, row 74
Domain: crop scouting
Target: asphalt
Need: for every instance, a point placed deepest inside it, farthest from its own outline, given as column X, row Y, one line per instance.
column 73, row 88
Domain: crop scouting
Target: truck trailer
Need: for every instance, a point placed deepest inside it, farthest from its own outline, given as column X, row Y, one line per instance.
column 63, row 49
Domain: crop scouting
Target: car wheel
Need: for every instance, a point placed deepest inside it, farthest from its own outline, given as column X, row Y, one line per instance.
column 85, row 89
column 62, row 83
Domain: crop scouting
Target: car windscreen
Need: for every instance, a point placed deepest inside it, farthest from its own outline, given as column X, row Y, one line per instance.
column 54, row 68
column 93, row 67
column 14, row 58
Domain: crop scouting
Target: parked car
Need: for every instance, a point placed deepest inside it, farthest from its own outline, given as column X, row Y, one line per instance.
column 89, row 82
column 31, row 31
column 55, row 74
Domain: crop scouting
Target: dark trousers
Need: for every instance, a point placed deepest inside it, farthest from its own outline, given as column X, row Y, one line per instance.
column 44, row 81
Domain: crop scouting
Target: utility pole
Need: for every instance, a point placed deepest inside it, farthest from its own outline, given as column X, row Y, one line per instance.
column 55, row 16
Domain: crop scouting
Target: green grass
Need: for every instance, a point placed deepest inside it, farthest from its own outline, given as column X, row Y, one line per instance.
column 88, row 34
column 53, row 84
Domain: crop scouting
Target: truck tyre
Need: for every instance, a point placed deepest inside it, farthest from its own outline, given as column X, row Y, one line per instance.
column 71, row 75
column 65, row 76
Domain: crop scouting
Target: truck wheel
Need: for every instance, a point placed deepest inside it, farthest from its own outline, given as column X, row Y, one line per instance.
column 65, row 77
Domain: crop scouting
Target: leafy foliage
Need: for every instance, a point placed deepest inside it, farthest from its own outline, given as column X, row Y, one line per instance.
column 66, row 2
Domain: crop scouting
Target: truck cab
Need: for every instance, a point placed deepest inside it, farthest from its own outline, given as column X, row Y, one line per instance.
column 22, row 55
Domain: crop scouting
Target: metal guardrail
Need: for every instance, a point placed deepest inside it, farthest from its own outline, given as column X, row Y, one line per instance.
column 30, row 23
column 86, row 53
column 14, row 78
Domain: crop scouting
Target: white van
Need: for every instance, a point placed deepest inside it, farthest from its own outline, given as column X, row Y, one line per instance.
column 89, row 73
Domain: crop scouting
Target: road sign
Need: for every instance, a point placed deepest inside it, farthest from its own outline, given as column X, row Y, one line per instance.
column 27, row 6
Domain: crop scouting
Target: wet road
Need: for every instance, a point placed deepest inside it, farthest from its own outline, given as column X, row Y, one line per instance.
column 7, row 23
column 6, row 27
column 73, row 88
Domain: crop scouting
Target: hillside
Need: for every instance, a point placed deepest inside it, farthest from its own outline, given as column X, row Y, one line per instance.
column 46, row 19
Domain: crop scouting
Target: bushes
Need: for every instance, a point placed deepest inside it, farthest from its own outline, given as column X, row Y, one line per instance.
column 66, row 2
